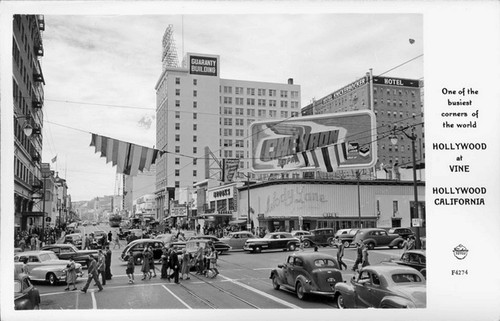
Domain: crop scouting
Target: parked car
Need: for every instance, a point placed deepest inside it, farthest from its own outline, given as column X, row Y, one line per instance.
column 298, row 233
column 376, row 237
column 383, row 286
column 321, row 236
column 413, row 258
column 272, row 241
column 135, row 249
column 67, row 251
column 346, row 236
column 26, row 295
column 404, row 232
column 75, row 239
column 236, row 240
column 45, row 266
column 220, row 246
column 306, row 273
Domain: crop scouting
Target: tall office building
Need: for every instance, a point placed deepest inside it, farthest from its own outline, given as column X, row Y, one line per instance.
column 395, row 102
column 202, row 117
column 28, row 95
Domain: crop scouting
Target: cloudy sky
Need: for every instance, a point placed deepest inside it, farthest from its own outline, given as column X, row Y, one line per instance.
column 101, row 71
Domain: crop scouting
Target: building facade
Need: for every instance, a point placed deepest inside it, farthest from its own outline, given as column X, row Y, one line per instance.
column 202, row 118
column 136, row 186
column 28, row 98
column 395, row 102
column 310, row 204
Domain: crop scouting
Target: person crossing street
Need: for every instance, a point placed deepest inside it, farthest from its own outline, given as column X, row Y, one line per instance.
column 92, row 275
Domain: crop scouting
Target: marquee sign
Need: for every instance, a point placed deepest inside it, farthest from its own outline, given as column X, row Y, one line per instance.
column 326, row 142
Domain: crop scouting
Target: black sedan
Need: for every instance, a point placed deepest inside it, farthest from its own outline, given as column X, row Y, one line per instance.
column 26, row 296
column 272, row 241
column 69, row 251
column 415, row 259
column 305, row 273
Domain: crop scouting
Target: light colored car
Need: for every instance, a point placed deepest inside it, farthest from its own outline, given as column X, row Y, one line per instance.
column 383, row 286
column 299, row 233
column 45, row 266
column 237, row 239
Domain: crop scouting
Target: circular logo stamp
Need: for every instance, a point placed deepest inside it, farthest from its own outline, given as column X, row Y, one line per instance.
column 460, row 252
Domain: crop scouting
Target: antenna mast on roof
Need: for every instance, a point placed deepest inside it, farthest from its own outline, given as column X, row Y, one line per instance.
column 169, row 55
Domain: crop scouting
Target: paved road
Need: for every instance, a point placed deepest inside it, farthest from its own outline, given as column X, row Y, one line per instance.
column 243, row 283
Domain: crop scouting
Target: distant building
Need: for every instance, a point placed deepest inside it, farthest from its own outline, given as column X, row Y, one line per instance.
column 28, row 97
column 137, row 186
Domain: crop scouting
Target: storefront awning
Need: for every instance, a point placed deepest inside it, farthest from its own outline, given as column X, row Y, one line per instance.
column 237, row 222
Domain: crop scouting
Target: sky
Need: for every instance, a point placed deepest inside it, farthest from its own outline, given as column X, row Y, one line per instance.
column 101, row 71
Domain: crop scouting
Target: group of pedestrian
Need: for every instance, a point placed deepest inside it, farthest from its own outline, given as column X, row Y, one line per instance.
column 148, row 263
column 206, row 260
column 97, row 269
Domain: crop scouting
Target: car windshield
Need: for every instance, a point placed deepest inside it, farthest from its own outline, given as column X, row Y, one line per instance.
column 406, row 278
column 17, row 286
column 324, row 263
column 47, row 256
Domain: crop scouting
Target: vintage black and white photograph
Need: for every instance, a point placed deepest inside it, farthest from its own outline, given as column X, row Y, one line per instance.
column 205, row 167
column 194, row 161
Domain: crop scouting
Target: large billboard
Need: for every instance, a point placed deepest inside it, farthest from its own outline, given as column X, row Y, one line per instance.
column 202, row 65
column 327, row 142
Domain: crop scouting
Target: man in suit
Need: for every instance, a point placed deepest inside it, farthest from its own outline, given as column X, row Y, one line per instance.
column 92, row 274
column 174, row 265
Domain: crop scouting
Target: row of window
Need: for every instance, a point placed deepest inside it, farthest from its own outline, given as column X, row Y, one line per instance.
column 260, row 92
column 260, row 102
column 394, row 103
column 395, row 92
column 178, row 81
column 381, row 113
column 22, row 171
column 260, row 112
column 237, row 143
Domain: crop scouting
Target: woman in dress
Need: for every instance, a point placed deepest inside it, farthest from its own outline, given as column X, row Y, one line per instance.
column 185, row 265
column 70, row 275
column 152, row 263
column 145, row 264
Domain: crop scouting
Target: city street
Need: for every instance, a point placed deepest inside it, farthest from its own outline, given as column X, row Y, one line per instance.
column 243, row 283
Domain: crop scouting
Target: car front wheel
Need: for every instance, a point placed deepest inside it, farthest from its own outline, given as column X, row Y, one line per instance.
column 52, row 279
column 371, row 246
column 276, row 284
column 400, row 245
column 340, row 301
column 138, row 260
column 347, row 244
column 291, row 247
column 299, row 289
column 307, row 244
column 258, row 249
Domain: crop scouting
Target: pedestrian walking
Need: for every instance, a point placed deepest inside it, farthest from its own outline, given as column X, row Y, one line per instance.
column 86, row 242
column 101, row 266
column 33, row 243
column 365, row 257
column 165, row 257
column 359, row 258
column 117, row 241
column 301, row 239
column 70, row 275
column 212, row 263
column 108, row 263
column 110, row 236
column 92, row 274
column 186, row 265
column 199, row 259
column 152, row 262
column 174, row 265
column 130, row 269
column 409, row 244
column 145, row 264
column 340, row 255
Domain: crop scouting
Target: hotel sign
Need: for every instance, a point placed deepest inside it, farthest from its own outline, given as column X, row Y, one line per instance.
column 396, row 82
column 344, row 90
column 206, row 66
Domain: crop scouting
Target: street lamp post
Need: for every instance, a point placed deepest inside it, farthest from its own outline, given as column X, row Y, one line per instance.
column 394, row 141
column 359, row 200
column 249, row 224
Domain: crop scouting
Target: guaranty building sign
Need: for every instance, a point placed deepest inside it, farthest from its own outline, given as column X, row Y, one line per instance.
column 326, row 142
column 199, row 65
